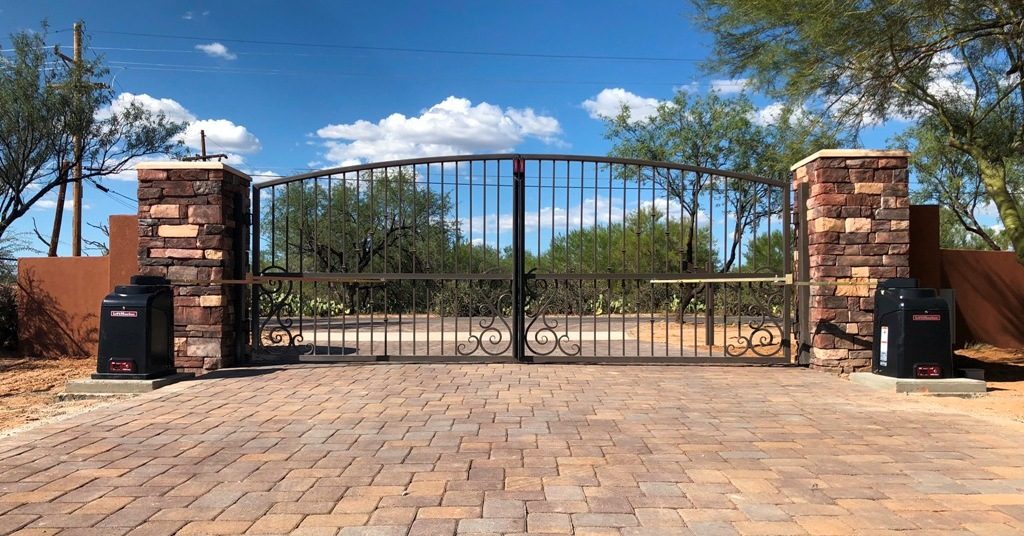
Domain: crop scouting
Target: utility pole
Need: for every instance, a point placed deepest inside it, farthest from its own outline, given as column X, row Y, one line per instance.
column 77, row 86
column 203, row 157
column 76, row 222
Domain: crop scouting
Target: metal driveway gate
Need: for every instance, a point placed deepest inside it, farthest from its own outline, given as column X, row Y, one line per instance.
column 522, row 257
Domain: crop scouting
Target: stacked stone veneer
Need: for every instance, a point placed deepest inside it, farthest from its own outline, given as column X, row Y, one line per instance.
column 187, row 231
column 858, row 220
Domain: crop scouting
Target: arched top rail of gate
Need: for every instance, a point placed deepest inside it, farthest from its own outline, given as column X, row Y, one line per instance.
column 410, row 162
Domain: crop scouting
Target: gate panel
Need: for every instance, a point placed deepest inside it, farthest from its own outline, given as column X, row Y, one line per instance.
column 536, row 257
column 649, row 261
column 384, row 262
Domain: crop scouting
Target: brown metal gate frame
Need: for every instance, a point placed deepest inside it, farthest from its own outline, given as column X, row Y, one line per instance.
column 368, row 262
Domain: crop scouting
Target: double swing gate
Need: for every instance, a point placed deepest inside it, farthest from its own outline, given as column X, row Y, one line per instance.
column 522, row 257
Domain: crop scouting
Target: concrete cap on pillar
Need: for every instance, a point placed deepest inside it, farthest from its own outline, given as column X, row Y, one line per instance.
column 177, row 164
column 852, row 153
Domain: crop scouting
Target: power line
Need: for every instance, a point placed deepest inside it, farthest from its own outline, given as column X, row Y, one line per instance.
column 193, row 51
column 113, row 195
column 166, row 67
column 408, row 50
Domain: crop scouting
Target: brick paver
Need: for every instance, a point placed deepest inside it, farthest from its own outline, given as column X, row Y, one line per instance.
column 496, row 449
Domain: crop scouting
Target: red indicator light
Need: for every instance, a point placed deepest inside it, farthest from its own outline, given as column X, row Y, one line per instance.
column 928, row 371
column 122, row 366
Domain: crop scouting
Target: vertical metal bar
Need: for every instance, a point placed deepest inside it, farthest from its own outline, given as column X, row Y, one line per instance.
column 373, row 216
column 622, row 282
column 593, row 231
column 804, row 307
column 256, row 340
column 458, row 253
column 432, row 283
column 579, row 263
column 330, row 264
column 386, row 264
column 787, row 268
column 709, row 288
column 565, row 325
column 346, row 211
column 637, row 268
column 314, row 243
column 357, row 201
column 611, row 242
column 404, row 246
column 518, row 250
column 725, row 258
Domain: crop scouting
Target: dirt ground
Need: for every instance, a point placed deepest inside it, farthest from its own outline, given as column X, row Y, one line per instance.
column 29, row 389
column 1004, row 373
column 763, row 342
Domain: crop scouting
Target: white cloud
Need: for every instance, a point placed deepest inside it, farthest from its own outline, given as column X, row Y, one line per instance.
column 171, row 108
column 946, row 63
column 988, row 209
column 453, row 126
column 609, row 102
column 128, row 173
column 769, row 114
column 689, row 88
column 600, row 211
column 50, row 204
column 222, row 135
column 217, row 50
column 949, row 87
column 585, row 214
column 729, row 86
column 188, row 15
column 259, row 176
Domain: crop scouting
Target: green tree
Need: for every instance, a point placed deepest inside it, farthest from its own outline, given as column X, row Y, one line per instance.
column 719, row 133
column 951, row 179
column 765, row 252
column 957, row 63
column 647, row 242
column 42, row 108
column 953, row 234
column 376, row 222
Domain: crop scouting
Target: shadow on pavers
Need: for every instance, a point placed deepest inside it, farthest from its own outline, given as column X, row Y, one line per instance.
column 232, row 373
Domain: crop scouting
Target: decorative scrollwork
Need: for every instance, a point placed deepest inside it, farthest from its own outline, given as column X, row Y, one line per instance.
column 766, row 337
column 547, row 333
column 278, row 338
column 491, row 339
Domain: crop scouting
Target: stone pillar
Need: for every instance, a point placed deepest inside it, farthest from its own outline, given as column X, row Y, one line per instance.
column 192, row 230
column 858, row 223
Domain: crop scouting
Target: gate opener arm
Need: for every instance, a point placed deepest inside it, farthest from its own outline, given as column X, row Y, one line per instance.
column 776, row 280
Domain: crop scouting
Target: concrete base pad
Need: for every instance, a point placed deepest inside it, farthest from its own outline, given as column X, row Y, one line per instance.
column 965, row 387
column 89, row 386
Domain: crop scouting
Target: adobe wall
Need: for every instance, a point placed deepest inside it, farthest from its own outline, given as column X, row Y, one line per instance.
column 988, row 285
column 59, row 297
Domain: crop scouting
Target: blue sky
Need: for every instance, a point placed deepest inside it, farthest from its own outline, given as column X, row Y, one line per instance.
column 282, row 108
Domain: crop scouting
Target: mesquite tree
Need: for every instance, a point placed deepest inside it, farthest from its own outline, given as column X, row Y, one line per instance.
column 957, row 63
column 44, row 103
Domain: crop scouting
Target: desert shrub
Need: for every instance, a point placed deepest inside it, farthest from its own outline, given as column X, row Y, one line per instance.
column 8, row 317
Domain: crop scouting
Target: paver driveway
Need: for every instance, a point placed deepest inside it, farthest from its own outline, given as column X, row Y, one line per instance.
column 435, row 449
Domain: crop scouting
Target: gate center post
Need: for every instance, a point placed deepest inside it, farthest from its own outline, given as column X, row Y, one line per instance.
column 518, row 261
